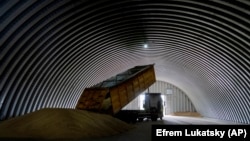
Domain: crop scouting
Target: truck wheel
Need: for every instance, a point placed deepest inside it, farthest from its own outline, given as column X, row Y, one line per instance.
column 154, row 119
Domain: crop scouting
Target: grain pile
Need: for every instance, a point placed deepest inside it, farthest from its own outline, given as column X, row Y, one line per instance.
column 62, row 123
column 192, row 114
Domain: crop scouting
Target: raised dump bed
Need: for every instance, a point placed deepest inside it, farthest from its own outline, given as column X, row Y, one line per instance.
column 111, row 95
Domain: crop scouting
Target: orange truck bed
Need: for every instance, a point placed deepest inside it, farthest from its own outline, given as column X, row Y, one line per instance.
column 111, row 95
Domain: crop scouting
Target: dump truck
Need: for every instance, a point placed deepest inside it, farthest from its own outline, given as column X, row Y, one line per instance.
column 112, row 94
column 153, row 110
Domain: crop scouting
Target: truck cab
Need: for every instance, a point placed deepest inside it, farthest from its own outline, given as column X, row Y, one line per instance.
column 153, row 106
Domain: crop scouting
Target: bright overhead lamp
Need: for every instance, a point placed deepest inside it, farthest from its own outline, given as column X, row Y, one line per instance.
column 145, row 46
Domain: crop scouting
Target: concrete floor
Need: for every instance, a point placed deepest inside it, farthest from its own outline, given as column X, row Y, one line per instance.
column 142, row 131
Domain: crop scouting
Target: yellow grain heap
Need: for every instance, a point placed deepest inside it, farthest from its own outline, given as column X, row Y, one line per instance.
column 62, row 123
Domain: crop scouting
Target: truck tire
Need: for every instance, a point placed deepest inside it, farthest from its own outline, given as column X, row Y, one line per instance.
column 154, row 117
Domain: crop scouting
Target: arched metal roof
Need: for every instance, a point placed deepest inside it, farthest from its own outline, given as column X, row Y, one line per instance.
column 51, row 50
